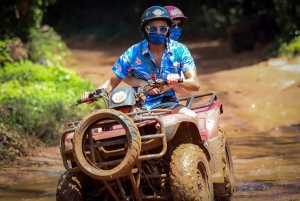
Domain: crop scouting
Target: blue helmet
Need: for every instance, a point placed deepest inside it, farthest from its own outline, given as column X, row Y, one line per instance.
column 155, row 13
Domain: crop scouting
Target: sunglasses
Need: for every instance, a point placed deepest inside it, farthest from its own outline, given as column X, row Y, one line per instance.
column 179, row 25
column 154, row 29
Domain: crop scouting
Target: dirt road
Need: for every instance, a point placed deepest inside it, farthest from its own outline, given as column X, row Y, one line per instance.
column 261, row 101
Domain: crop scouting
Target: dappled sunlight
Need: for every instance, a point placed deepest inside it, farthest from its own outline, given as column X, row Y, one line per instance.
column 293, row 68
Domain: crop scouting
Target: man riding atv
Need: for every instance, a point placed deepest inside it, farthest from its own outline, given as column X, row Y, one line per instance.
column 178, row 20
column 153, row 58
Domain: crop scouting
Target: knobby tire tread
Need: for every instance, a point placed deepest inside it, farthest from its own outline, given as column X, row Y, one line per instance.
column 183, row 178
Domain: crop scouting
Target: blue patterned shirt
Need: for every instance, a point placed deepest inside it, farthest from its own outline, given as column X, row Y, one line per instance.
column 139, row 62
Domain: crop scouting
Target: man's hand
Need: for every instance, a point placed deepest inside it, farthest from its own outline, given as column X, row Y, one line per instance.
column 172, row 79
column 156, row 91
column 166, row 88
column 152, row 91
column 85, row 97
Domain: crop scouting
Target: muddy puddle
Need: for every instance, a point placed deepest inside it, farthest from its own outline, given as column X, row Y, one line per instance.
column 33, row 177
column 38, row 185
column 267, row 167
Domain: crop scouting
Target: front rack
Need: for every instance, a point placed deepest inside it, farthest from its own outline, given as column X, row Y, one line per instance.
column 137, row 118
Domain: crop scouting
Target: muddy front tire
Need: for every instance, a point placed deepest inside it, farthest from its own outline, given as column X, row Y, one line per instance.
column 70, row 187
column 190, row 175
column 77, row 186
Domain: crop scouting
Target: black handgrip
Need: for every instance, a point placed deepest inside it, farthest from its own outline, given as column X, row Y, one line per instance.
column 78, row 102
column 180, row 80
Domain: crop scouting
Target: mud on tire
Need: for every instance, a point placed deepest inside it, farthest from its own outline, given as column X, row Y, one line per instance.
column 78, row 186
column 133, row 145
column 190, row 175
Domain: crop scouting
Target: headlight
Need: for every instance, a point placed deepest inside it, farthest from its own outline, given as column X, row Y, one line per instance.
column 118, row 97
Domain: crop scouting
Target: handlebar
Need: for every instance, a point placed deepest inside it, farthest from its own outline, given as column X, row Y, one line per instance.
column 94, row 95
column 155, row 83
column 99, row 93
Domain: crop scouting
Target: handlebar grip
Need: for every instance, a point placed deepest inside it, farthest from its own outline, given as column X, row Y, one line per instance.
column 91, row 97
column 180, row 80
column 78, row 102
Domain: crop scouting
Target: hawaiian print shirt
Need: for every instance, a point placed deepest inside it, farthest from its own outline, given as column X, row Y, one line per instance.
column 139, row 62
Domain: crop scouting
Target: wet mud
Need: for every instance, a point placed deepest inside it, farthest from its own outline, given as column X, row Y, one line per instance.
column 261, row 119
column 267, row 164
column 33, row 177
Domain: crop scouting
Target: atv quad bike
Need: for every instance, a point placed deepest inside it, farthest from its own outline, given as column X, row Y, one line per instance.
column 125, row 153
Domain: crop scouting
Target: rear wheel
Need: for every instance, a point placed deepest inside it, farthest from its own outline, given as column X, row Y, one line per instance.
column 190, row 176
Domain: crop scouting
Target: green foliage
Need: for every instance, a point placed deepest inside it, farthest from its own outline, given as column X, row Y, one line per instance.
column 4, row 51
column 41, row 99
column 290, row 49
column 11, row 143
column 287, row 46
column 46, row 46
column 37, row 96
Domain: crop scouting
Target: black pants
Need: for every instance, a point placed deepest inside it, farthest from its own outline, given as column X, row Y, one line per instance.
column 167, row 103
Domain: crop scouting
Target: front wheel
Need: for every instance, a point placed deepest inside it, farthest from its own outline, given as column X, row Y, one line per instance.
column 70, row 187
column 77, row 186
column 190, row 175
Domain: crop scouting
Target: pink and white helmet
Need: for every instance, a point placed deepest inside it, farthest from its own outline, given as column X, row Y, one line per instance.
column 176, row 13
